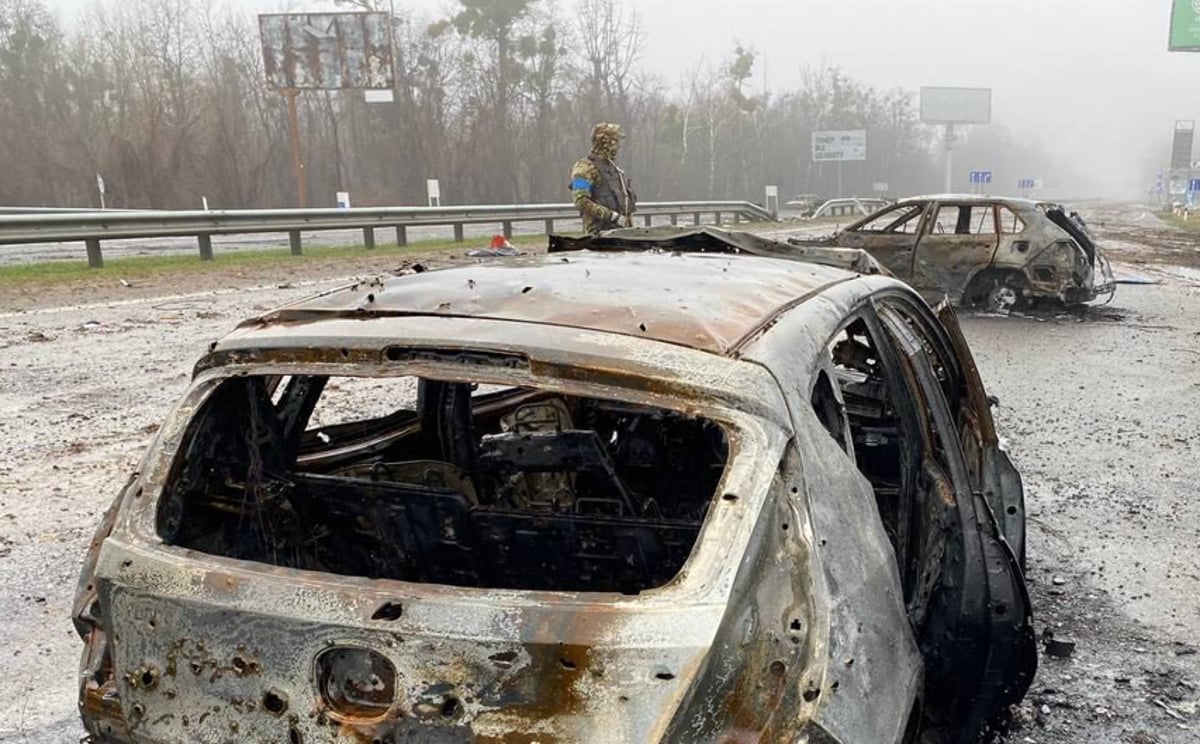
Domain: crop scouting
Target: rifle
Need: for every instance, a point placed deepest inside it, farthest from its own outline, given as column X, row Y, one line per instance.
column 625, row 195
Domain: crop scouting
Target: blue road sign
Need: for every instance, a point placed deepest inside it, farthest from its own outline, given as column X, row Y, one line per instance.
column 1194, row 184
column 1025, row 184
column 980, row 177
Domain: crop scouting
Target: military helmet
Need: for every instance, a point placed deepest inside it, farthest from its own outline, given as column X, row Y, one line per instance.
column 606, row 138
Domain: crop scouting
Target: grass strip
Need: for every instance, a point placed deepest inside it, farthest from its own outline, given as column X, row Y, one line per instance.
column 127, row 267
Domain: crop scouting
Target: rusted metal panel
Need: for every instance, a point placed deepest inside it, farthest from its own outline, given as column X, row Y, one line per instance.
column 786, row 623
column 327, row 50
column 214, row 647
column 1041, row 256
column 705, row 306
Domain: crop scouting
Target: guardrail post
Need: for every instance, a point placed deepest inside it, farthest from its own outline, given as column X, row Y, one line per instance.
column 696, row 218
column 205, row 242
column 646, row 220
column 717, row 217
column 369, row 238
column 506, row 227
column 294, row 242
column 458, row 232
column 674, row 219
column 737, row 218
column 401, row 235
column 549, row 227
column 95, row 260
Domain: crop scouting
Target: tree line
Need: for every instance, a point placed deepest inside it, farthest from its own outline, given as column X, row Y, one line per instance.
column 167, row 100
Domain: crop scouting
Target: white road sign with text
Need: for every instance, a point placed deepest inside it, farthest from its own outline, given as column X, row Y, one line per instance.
column 837, row 146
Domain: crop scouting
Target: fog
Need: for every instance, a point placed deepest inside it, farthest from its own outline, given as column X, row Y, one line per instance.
column 1089, row 83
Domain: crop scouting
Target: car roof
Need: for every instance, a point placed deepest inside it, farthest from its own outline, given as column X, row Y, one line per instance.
column 975, row 198
column 702, row 301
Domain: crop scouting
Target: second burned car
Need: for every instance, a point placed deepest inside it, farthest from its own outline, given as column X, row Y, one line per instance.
column 642, row 490
column 981, row 250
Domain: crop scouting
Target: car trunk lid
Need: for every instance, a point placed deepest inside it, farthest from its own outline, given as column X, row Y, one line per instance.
column 206, row 655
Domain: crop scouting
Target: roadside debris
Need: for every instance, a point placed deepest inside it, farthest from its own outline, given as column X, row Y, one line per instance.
column 499, row 247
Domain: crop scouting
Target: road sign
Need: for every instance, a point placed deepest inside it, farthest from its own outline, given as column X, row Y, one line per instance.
column 839, row 146
column 880, row 187
column 981, row 177
column 1194, row 184
column 1185, row 26
column 1026, row 184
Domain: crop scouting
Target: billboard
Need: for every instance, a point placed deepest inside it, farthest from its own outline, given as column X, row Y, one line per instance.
column 1185, row 26
column 1181, row 147
column 839, row 146
column 327, row 51
column 956, row 105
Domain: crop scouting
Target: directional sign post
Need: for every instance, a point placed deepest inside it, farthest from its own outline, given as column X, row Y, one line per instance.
column 1026, row 186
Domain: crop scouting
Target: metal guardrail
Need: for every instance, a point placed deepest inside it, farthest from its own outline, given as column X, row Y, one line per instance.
column 63, row 210
column 91, row 228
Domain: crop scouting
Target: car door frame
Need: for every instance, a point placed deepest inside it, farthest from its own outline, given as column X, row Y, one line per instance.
column 998, row 478
column 879, row 244
column 963, row 255
column 979, row 633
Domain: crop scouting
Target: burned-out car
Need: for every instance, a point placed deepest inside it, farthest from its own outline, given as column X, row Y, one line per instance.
column 981, row 250
column 611, row 495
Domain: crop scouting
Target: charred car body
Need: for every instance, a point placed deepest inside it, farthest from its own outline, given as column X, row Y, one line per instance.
column 979, row 250
column 598, row 495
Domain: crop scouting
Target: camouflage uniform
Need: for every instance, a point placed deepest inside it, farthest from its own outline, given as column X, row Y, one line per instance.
column 600, row 189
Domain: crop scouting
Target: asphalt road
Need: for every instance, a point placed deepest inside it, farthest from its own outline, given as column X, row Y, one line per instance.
column 1101, row 412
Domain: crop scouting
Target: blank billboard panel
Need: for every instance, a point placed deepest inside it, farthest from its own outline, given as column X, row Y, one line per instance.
column 956, row 105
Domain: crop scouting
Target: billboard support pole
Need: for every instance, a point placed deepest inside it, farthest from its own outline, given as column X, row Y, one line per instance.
column 949, row 159
column 840, row 192
column 297, row 158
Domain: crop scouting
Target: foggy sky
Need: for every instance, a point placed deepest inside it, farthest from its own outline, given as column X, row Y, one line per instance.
column 1090, row 78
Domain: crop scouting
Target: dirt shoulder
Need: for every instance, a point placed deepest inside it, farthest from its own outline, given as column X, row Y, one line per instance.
column 131, row 282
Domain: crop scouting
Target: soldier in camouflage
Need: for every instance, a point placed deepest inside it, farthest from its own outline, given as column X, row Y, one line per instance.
column 599, row 188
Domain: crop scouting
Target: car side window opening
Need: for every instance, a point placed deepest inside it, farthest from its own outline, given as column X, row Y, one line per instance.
column 1010, row 223
column 964, row 219
column 904, row 219
column 445, row 482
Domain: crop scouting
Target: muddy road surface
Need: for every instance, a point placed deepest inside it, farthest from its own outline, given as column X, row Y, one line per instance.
column 1100, row 409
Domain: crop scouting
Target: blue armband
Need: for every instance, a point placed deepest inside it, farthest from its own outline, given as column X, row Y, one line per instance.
column 581, row 183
